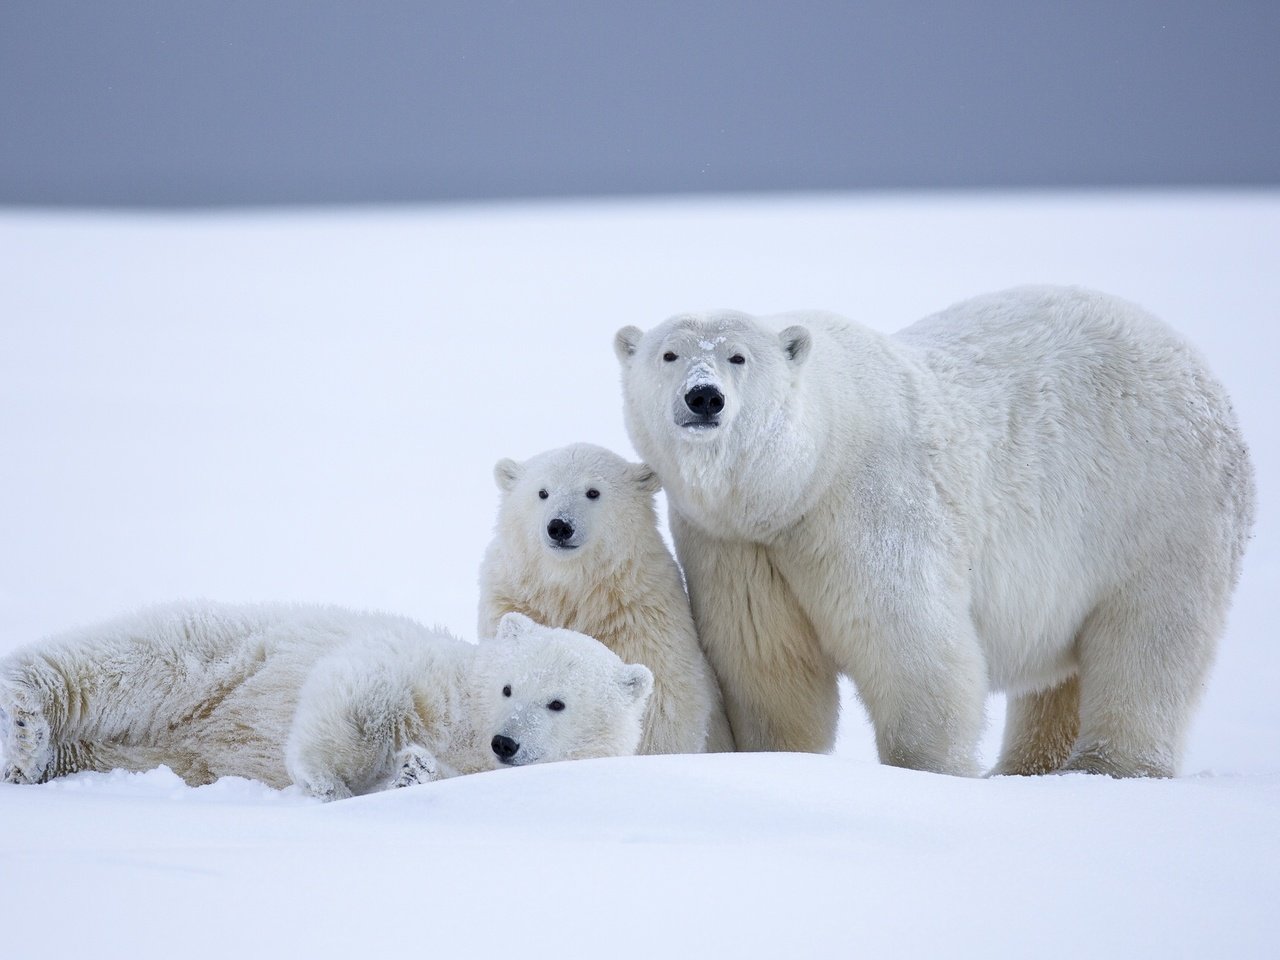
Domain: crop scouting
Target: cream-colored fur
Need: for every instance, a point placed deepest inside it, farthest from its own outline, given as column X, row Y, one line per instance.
column 336, row 701
column 1041, row 491
column 612, row 579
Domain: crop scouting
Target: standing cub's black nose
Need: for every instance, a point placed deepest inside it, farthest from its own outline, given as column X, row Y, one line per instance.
column 705, row 401
column 559, row 530
column 504, row 747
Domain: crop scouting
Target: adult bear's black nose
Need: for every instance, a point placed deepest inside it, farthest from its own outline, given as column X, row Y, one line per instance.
column 705, row 400
column 504, row 747
column 559, row 530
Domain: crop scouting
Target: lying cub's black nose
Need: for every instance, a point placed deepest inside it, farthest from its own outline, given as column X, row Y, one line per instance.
column 705, row 401
column 504, row 747
column 559, row 530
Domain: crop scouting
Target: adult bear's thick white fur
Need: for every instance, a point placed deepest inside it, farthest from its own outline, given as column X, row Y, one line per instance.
column 1041, row 491
column 336, row 701
column 611, row 577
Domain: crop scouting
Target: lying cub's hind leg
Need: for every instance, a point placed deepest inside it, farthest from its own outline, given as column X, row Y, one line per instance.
column 1040, row 730
column 25, row 734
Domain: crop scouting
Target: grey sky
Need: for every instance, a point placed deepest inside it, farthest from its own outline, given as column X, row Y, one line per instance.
column 251, row 101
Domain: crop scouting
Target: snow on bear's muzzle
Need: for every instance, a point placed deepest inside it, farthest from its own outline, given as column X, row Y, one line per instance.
column 505, row 749
column 562, row 534
column 703, row 400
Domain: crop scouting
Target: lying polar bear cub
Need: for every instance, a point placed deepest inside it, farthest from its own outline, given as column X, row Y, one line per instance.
column 336, row 701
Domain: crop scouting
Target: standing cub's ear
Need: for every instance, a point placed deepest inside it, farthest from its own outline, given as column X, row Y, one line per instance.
column 644, row 477
column 513, row 625
column 625, row 342
column 636, row 681
column 796, row 342
column 505, row 473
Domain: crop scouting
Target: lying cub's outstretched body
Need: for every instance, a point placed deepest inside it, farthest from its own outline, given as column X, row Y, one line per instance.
column 337, row 701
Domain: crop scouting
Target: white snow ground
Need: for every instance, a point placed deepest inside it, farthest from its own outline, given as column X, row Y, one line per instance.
column 307, row 406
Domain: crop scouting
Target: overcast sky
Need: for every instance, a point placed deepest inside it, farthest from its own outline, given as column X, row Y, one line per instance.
column 252, row 101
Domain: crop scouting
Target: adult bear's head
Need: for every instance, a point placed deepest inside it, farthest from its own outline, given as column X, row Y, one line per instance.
column 713, row 402
column 696, row 375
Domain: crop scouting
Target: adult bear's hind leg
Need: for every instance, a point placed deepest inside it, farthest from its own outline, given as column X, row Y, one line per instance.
column 1144, row 656
column 1040, row 730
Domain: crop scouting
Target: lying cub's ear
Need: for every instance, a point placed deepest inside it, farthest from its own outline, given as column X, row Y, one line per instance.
column 625, row 342
column 645, row 477
column 513, row 626
column 796, row 342
column 505, row 473
column 636, row 681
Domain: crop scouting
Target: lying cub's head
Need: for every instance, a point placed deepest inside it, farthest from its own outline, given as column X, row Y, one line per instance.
column 544, row 694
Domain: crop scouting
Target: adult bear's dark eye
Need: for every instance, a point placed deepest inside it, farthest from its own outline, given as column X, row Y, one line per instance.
column 737, row 358
column 542, row 494
column 593, row 494
column 556, row 705
column 506, row 691
column 669, row 357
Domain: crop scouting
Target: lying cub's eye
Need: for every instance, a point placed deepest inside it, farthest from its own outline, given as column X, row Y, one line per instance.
column 737, row 358
column 593, row 494
column 556, row 705
column 669, row 357
column 542, row 494
column 506, row 691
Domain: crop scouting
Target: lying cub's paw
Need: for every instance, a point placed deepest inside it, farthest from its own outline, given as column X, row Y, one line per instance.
column 414, row 765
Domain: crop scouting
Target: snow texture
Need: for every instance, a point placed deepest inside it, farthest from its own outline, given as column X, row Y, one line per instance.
column 307, row 406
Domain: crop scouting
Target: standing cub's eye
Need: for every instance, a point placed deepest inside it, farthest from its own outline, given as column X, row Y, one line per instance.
column 542, row 494
column 556, row 705
column 593, row 494
column 737, row 358
column 506, row 691
column 669, row 357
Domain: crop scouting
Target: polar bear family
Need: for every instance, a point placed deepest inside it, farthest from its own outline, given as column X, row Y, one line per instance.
column 1041, row 492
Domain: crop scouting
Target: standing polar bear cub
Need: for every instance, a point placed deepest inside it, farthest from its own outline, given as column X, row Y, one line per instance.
column 1041, row 491
column 335, row 701
column 577, row 546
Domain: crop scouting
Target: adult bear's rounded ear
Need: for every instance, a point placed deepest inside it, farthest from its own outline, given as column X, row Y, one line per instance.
column 625, row 342
column 636, row 681
column 645, row 477
column 796, row 342
column 505, row 474
column 513, row 625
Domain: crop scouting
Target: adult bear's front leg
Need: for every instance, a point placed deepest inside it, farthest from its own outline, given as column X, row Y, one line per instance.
column 779, row 689
column 896, row 623
column 922, row 677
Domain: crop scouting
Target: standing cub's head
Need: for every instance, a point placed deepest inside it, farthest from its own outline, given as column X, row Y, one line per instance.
column 579, row 505
column 542, row 694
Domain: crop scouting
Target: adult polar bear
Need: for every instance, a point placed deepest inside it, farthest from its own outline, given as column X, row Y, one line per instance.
column 1041, row 491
